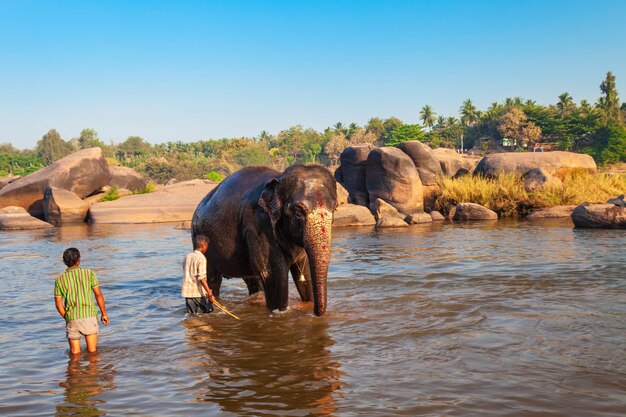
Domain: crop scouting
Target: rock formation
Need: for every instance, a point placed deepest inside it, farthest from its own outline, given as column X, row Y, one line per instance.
column 82, row 172
column 555, row 163
column 62, row 207
column 351, row 173
column 391, row 176
column 473, row 211
column 17, row 218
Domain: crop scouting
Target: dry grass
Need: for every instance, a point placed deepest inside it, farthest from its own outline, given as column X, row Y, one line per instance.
column 506, row 195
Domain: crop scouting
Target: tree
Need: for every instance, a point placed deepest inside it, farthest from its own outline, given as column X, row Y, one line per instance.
column 427, row 115
column 376, row 127
column 88, row 139
column 52, row 148
column 609, row 103
column 390, row 124
column 469, row 115
column 515, row 126
column 334, row 147
column 362, row 136
column 404, row 133
column 339, row 127
column 565, row 105
column 133, row 146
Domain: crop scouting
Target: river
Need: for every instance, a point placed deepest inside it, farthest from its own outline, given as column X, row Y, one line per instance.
column 507, row 318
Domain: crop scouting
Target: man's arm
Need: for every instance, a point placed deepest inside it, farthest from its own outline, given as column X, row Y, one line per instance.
column 100, row 301
column 205, row 285
column 58, row 303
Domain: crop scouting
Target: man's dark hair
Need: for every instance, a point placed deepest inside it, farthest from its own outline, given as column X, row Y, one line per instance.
column 199, row 241
column 71, row 256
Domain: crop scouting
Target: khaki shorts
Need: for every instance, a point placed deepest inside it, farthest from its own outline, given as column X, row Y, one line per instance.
column 81, row 327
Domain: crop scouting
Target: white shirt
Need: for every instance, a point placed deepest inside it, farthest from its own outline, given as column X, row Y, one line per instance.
column 194, row 270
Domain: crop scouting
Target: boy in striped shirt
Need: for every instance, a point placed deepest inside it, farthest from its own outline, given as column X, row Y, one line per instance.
column 74, row 302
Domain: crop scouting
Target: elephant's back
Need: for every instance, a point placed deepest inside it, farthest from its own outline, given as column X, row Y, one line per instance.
column 218, row 215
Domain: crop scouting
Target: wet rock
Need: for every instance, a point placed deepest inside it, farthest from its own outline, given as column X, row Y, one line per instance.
column 391, row 176
column 603, row 216
column 473, row 211
column 353, row 215
column 387, row 215
column 436, row 216
column 552, row 212
column 451, row 162
column 351, row 173
column 555, row 163
column 173, row 203
column 538, row 178
column 418, row 218
column 128, row 178
column 17, row 218
column 618, row 201
column 82, row 172
column 63, row 207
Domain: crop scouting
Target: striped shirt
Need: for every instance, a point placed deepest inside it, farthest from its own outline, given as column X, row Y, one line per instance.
column 75, row 286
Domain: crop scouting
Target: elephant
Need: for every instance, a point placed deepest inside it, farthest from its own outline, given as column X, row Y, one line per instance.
column 263, row 224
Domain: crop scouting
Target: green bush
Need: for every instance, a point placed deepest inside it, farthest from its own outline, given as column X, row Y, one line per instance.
column 214, row 176
column 111, row 195
column 145, row 190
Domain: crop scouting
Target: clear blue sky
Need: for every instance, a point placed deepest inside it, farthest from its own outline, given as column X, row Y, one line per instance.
column 191, row 70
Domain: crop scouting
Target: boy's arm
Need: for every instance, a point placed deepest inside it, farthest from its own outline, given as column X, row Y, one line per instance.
column 58, row 303
column 100, row 301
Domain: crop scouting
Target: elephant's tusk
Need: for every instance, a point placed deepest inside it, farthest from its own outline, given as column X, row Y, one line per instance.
column 221, row 307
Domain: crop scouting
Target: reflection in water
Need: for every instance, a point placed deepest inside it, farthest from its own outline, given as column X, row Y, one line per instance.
column 85, row 380
column 278, row 367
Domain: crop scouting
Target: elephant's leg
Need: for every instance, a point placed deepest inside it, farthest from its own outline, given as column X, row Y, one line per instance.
column 215, row 282
column 303, row 286
column 253, row 284
column 276, row 288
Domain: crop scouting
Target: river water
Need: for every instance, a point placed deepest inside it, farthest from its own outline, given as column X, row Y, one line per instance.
column 507, row 318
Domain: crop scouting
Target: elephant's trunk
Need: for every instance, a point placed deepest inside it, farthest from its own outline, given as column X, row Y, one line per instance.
column 317, row 237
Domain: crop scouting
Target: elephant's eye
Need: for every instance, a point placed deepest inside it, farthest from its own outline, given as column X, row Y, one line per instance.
column 299, row 211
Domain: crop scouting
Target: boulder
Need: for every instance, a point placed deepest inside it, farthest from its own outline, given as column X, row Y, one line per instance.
column 17, row 218
column 618, row 201
column 426, row 163
column 173, row 203
column 461, row 172
column 387, row 215
column 451, row 161
column 351, row 172
column 538, row 178
column 342, row 194
column 125, row 177
column 552, row 212
column 82, row 173
column 392, row 177
column 604, row 216
column 555, row 163
column 352, row 215
column 436, row 216
column 473, row 211
column 418, row 218
column 63, row 207
column 8, row 180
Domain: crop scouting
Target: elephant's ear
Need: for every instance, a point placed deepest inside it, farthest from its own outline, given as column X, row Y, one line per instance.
column 271, row 202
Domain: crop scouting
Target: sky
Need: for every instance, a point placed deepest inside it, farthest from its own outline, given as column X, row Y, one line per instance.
column 198, row 70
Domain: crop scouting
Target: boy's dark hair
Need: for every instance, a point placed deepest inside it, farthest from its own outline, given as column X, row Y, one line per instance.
column 199, row 241
column 71, row 256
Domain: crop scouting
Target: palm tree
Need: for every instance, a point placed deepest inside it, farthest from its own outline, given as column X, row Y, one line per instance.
column 452, row 121
column 352, row 128
column 441, row 122
column 427, row 115
column 339, row 128
column 565, row 104
column 469, row 115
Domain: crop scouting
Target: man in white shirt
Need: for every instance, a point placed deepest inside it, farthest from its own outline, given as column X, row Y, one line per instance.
column 196, row 291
